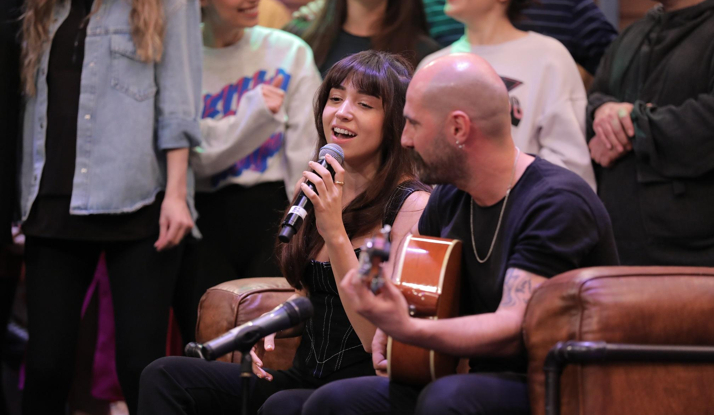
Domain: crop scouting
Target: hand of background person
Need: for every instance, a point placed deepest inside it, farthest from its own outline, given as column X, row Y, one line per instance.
column 601, row 154
column 268, row 346
column 174, row 222
column 273, row 95
column 379, row 353
column 387, row 310
column 612, row 123
column 18, row 241
column 327, row 202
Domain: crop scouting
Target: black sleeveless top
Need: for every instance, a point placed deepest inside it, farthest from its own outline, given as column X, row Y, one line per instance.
column 329, row 343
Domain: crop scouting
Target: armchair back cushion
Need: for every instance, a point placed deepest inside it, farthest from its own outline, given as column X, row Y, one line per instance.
column 637, row 305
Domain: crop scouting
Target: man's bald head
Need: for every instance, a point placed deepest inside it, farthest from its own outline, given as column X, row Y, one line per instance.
column 465, row 82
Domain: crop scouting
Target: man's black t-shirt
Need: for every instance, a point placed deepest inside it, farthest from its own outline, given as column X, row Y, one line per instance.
column 553, row 223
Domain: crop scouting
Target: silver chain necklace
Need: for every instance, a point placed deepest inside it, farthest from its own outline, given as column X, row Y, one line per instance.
column 500, row 217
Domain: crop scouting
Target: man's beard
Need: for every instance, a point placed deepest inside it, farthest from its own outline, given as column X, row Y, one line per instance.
column 446, row 166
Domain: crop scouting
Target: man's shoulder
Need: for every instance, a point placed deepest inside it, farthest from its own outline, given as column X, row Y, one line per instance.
column 445, row 198
column 554, row 185
column 445, row 193
column 549, row 177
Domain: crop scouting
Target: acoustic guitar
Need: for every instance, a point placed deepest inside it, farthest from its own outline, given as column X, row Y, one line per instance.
column 428, row 274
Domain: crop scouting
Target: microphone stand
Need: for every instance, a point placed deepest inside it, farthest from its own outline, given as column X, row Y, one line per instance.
column 246, row 372
column 246, row 366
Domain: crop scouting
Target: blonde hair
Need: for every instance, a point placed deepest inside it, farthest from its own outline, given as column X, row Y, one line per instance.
column 147, row 31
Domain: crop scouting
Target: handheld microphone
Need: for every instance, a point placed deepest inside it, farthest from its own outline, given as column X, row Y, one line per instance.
column 243, row 337
column 303, row 205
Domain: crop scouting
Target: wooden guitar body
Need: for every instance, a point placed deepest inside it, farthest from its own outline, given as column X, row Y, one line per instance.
column 428, row 274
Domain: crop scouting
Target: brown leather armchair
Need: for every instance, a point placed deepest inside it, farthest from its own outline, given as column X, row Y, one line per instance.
column 634, row 305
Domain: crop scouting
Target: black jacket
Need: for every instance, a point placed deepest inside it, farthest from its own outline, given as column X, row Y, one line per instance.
column 661, row 195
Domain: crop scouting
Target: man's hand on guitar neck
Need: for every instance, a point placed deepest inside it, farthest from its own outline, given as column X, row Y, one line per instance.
column 388, row 310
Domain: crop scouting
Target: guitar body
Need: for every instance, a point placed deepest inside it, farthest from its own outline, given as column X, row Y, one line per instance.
column 429, row 275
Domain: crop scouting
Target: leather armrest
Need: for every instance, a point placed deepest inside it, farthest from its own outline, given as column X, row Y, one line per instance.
column 233, row 303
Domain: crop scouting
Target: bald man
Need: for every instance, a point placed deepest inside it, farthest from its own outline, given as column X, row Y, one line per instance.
column 522, row 220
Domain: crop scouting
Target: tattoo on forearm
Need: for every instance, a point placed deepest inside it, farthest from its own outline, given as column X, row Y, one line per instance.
column 516, row 288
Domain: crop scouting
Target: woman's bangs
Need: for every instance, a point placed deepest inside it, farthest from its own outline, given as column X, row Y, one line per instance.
column 369, row 81
column 365, row 75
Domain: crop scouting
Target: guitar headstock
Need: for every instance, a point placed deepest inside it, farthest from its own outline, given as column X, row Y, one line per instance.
column 373, row 254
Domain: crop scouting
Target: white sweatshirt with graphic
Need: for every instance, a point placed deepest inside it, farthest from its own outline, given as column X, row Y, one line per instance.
column 243, row 142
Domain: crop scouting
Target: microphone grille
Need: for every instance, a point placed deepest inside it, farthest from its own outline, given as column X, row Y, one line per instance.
column 334, row 150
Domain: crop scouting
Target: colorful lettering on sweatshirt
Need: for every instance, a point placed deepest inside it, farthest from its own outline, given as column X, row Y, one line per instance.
column 225, row 103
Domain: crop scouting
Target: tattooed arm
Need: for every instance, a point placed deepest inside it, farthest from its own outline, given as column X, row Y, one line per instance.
column 490, row 334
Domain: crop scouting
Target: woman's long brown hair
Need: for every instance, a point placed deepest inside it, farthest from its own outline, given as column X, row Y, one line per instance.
column 385, row 76
column 403, row 24
column 147, row 30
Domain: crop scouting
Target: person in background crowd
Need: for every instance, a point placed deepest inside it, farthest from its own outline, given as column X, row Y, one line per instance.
column 651, row 137
column 358, row 107
column 344, row 27
column 10, row 11
column 578, row 24
column 522, row 220
column 256, row 126
column 113, row 98
column 547, row 95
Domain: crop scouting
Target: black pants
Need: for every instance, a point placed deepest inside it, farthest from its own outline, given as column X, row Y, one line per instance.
column 239, row 227
column 58, row 274
column 183, row 385
column 474, row 394
column 8, row 284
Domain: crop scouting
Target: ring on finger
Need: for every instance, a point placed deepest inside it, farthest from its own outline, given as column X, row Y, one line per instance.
column 341, row 183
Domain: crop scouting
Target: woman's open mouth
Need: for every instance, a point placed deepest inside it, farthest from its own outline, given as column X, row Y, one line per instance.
column 343, row 133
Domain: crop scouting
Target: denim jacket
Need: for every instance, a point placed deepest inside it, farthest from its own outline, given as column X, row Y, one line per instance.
column 130, row 112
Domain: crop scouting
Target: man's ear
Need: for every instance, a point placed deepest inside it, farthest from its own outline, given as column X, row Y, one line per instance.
column 458, row 126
